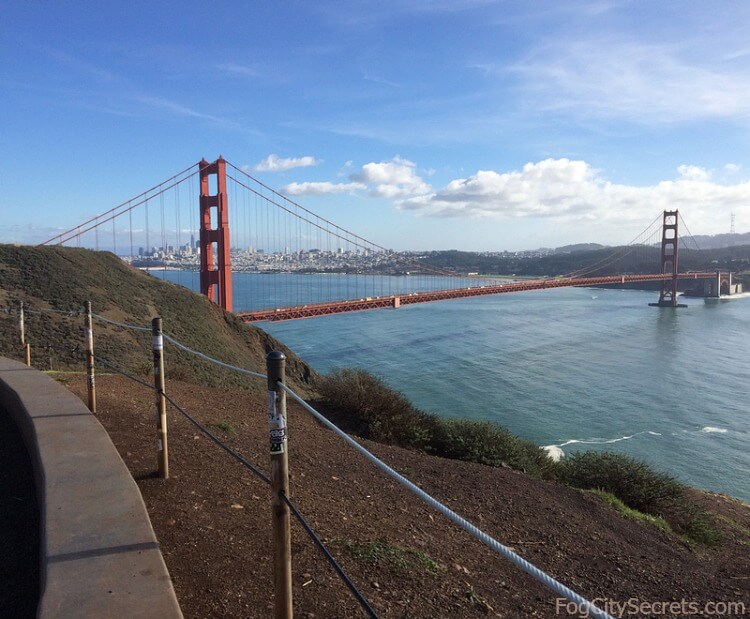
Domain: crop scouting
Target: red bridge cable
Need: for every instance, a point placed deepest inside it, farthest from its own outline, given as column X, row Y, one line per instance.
column 114, row 208
column 77, row 231
column 624, row 251
column 345, row 235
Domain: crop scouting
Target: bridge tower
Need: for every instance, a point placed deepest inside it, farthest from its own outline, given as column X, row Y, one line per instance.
column 216, row 267
column 669, row 261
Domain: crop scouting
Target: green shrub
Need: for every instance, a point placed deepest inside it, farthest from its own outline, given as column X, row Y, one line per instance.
column 365, row 404
column 375, row 410
column 641, row 488
column 635, row 483
column 489, row 443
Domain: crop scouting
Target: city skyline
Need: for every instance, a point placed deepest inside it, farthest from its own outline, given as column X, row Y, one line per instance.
column 474, row 125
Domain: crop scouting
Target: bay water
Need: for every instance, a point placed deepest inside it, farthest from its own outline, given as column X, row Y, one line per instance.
column 569, row 369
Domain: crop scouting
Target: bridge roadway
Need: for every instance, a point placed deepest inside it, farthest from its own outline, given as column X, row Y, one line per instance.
column 394, row 301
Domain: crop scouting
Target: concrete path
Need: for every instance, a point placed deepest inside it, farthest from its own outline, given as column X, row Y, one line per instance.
column 99, row 554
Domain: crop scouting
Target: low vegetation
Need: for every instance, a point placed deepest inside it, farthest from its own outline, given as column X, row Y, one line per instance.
column 407, row 559
column 641, row 488
column 366, row 405
column 630, row 513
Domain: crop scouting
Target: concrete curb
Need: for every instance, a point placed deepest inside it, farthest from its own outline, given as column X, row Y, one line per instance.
column 99, row 553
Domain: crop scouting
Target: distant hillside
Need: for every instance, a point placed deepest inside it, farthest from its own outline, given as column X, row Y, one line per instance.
column 733, row 258
column 717, row 241
column 65, row 278
column 569, row 249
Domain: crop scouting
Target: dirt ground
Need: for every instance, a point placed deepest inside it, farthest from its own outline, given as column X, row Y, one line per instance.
column 212, row 518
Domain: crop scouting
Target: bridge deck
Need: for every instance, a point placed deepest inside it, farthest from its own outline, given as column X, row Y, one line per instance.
column 357, row 305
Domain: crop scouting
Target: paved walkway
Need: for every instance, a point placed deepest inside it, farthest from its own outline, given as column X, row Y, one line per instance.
column 98, row 553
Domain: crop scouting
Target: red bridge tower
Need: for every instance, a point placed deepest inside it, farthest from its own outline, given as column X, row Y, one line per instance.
column 216, row 267
column 669, row 266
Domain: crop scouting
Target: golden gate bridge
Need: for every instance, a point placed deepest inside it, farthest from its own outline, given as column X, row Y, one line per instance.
column 267, row 233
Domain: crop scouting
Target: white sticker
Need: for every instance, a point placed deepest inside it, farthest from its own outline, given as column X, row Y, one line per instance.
column 157, row 342
column 159, row 447
column 276, row 424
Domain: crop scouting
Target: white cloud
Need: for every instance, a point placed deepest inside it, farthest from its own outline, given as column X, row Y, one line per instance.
column 274, row 163
column 234, row 69
column 396, row 178
column 693, row 173
column 641, row 82
column 574, row 191
column 733, row 168
column 320, row 188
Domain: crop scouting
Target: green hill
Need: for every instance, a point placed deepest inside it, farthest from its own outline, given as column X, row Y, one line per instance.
column 63, row 279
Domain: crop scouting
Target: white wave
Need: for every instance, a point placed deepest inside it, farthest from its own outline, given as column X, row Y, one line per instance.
column 602, row 441
column 554, row 453
column 713, row 430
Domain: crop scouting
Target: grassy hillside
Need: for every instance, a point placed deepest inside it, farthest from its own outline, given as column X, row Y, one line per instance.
column 64, row 279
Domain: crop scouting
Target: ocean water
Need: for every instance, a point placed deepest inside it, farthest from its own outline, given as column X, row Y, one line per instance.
column 569, row 369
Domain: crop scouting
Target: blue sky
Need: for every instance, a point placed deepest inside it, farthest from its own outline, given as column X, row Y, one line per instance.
column 419, row 124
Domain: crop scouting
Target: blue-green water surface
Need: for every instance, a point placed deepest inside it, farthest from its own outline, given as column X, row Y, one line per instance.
column 575, row 368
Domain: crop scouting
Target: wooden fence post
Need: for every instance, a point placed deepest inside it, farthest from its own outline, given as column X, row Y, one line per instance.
column 22, row 334
column 282, row 545
column 161, row 402
column 90, row 358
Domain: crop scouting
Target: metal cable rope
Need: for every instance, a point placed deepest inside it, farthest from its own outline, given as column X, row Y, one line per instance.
column 122, row 324
column 297, row 514
column 196, row 423
column 506, row 552
column 228, row 366
column 492, row 543
column 360, row 598
column 26, row 310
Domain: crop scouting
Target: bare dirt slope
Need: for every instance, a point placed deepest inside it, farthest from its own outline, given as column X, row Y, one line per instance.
column 213, row 521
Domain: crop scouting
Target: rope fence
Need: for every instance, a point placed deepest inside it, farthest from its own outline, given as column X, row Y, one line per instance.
column 278, row 435
column 260, row 475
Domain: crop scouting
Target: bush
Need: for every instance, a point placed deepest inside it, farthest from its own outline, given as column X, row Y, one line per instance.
column 375, row 410
column 635, row 483
column 488, row 443
column 366, row 405
column 641, row 488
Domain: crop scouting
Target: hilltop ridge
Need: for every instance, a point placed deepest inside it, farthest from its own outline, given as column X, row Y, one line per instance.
column 63, row 279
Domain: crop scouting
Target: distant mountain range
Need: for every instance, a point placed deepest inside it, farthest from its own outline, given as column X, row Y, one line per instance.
column 705, row 241
column 718, row 241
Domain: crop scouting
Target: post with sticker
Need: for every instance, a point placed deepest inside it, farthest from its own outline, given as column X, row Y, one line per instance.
column 90, row 378
column 157, row 341
column 22, row 334
column 282, row 543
